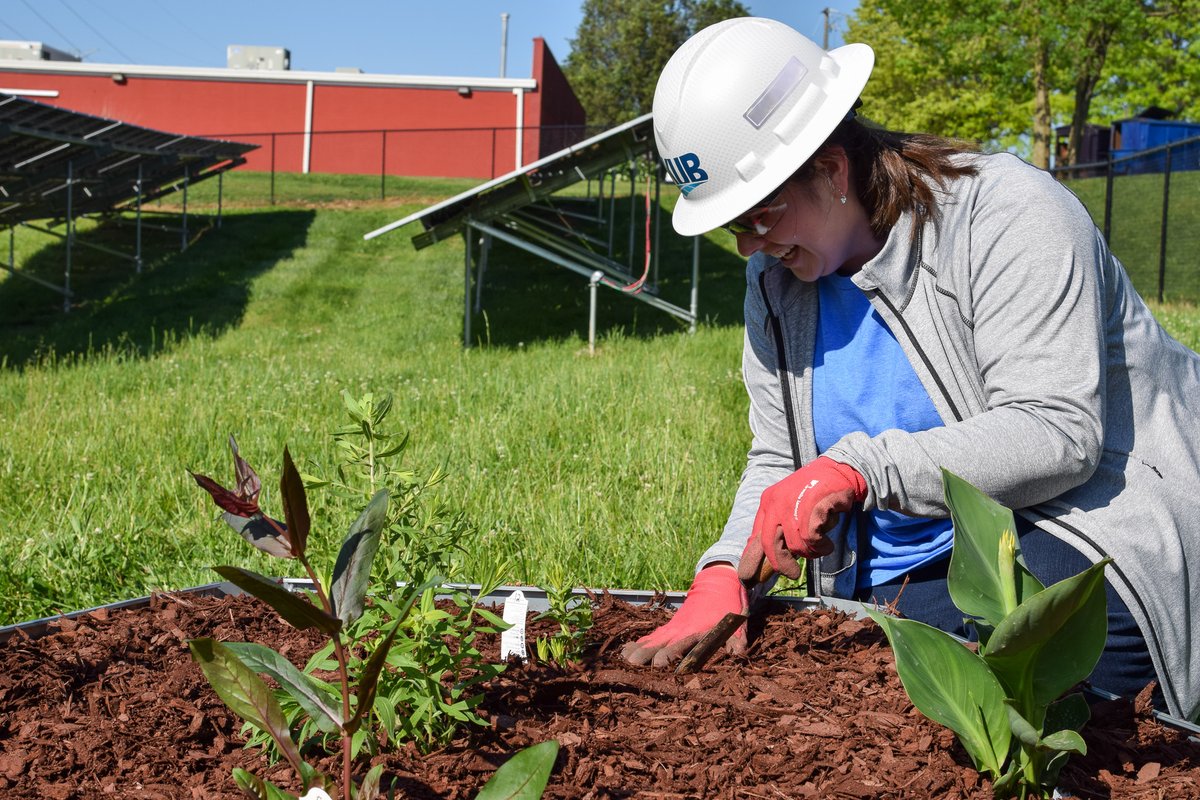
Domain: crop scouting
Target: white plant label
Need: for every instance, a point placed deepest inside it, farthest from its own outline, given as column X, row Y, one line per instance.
column 512, row 641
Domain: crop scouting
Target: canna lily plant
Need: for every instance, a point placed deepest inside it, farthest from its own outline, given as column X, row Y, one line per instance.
column 1005, row 702
column 233, row 669
column 335, row 609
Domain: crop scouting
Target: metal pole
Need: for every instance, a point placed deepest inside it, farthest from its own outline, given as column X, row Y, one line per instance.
column 592, row 285
column 695, row 304
column 1108, row 193
column 483, row 260
column 657, row 218
column 468, row 235
column 632, row 210
column 1162, row 235
column 612, row 211
column 183, row 227
column 70, row 236
column 503, row 44
column 383, row 168
column 138, row 254
column 220, row 195
column 272, row 169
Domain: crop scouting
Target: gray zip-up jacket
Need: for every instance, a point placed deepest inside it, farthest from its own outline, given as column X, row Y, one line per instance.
column 1062, row 397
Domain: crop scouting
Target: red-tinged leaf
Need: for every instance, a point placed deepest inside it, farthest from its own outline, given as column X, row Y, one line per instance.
column 268, row 535
column 368, row 679
column 226, row 499
column 295, row 504
column 352, row 569
column 246, row 695
column 298, row 612
column 248, row 484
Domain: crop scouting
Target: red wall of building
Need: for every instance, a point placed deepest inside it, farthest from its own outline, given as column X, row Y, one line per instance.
column 429, row 131
column 558, row 116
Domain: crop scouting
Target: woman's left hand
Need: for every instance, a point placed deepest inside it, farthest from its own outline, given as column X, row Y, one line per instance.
column 795, row 514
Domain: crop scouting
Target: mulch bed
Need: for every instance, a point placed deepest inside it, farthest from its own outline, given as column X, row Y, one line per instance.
column 111, row 705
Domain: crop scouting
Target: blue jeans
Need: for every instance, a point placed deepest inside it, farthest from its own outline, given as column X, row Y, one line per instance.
column 1124, row 668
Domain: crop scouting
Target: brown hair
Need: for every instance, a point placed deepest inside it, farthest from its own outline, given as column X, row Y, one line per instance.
column 897, row 172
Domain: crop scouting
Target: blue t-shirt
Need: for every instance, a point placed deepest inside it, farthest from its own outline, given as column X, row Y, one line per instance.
column 862, row 381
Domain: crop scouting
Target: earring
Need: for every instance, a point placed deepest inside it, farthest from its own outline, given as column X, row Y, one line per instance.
column 843, row 199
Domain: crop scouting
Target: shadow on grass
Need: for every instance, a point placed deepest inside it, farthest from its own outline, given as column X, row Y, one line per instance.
column 205, row 288
column 527, row 299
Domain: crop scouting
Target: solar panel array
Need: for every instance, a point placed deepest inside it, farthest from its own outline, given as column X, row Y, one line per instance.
column 531, row 183
column 517, row 209
column 45, row 149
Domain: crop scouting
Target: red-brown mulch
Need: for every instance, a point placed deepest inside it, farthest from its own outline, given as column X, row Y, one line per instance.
column 111, row 706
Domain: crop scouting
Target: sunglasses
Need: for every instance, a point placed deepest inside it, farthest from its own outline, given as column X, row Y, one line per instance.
column 761, row 217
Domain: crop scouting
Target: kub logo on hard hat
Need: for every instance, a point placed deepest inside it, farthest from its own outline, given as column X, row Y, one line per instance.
column 685, row 171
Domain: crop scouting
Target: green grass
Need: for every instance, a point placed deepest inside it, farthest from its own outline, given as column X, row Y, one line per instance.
column 620, row 466
column 1136, row 230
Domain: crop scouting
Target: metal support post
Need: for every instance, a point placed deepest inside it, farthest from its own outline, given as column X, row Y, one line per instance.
column 593, row 284
column 1162, row 235
column 183, row 228
column 612, row 210
column 70, row 236
column 1108, row 193
column 468, row 235
column 383, row 166
column 694, row 307
column 220, row 195
column 272, row 169
column 657, row 219
column 632, row 212
column 484, row 250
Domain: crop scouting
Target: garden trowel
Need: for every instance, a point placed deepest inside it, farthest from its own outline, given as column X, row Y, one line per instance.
column 703, row 650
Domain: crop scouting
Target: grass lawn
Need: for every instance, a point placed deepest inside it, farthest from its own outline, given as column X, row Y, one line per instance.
column 620, row 466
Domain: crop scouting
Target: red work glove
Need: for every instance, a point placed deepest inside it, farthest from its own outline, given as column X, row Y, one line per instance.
column 795, row 514
column 715, row 592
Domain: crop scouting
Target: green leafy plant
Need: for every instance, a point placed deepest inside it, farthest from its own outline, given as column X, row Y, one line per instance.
column 1005, row 702
column 433, row 667
column 573, row 615
column 333, row 609
column 423, row 535
column 524, row 776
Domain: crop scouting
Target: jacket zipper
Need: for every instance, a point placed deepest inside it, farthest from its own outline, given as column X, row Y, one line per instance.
column 810, row 564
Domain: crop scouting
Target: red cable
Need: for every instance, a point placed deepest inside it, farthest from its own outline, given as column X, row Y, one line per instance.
column 639, row 284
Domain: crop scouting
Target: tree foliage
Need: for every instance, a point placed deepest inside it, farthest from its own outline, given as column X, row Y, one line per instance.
column 621, row 47
column 1162, row 68
column 1007, row 71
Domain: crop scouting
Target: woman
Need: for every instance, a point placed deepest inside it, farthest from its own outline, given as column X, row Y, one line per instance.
column 913, row 305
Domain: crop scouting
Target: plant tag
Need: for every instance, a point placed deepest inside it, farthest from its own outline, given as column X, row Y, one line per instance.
column 512, row 641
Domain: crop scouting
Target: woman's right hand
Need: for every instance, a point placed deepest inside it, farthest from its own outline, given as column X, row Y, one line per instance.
column 715, row 592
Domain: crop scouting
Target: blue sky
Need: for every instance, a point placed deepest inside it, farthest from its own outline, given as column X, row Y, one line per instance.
column 451, row 37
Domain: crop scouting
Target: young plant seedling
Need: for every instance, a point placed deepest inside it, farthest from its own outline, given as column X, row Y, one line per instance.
column 1006, row 701
column 233, row 670
column 574, row 617
column 429, row 687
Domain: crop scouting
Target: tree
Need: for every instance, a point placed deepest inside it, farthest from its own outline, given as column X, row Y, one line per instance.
column 1158, row 64
column 1006, row 70
column 621, row 47
column 943, row 68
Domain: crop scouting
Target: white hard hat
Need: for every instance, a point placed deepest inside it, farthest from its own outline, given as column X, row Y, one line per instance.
column 741, row 106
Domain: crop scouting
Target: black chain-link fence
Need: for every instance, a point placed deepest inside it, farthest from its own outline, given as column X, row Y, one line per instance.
column 1148, row 205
